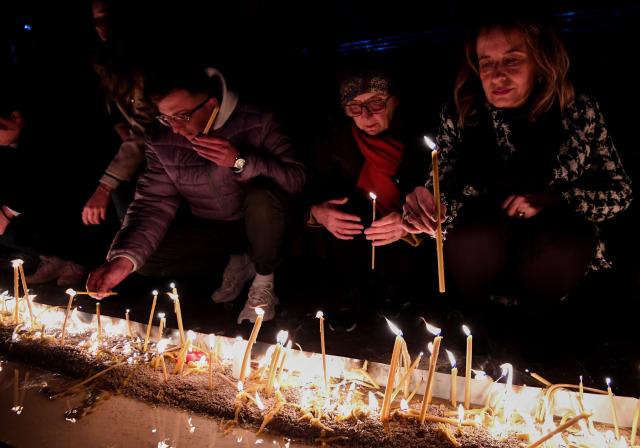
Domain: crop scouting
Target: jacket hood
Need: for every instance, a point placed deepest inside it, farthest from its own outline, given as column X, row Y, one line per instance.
column 229, row 98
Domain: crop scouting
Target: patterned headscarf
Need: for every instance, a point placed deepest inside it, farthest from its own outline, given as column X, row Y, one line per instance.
column 363, row 83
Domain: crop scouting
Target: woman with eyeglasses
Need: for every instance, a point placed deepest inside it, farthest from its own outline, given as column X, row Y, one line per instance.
column 528, row 171
column 372, row 152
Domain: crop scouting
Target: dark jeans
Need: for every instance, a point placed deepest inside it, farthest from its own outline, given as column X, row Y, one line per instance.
column 193, row 246
column 541, row 258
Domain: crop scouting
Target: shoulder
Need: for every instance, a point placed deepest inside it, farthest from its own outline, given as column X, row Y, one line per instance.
column 584, row 106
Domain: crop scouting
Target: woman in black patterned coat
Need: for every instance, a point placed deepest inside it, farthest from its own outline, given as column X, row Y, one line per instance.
column 527, row 170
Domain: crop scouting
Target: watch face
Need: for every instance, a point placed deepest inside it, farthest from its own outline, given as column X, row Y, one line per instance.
column 239, row 164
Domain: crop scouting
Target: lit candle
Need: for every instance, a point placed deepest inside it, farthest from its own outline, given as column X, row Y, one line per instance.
column 25, row 290
column 436, row 196
column 467, row 370
column 72, row 294
column 634, row 425
column 581, row 390
column 613, row 408
column 176, row 309
column 99, row 323
column 426, row 400
column 174, row 290
column 460, row 415
column 211, row 343
column 373, row 197
column 286, row 351
column 454, row 379
column 407, row 375
column 239, row 347
column 16, row 291
column 273, row 367
column 320, row 315
column 182, row 356
column 153, row 308
column 161, row 347
column 126, row 317
column 246, row 359
column 161, row 325
column 393, row 365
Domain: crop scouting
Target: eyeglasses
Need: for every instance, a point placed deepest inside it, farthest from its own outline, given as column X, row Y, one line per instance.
column 375, row 106
column 168, row 120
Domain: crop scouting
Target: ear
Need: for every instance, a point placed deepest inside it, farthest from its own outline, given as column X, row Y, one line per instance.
column 213, row 102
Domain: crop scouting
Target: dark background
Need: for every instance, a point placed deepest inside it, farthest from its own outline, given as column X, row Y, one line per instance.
column 286, row 54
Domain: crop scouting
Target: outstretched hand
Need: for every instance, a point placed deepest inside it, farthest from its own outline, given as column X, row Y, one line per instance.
column 341, row 224
column 387, row 230
column 106, row 277
column 420, row 212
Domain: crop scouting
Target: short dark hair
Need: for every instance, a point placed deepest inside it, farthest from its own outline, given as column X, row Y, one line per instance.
column 193, row 79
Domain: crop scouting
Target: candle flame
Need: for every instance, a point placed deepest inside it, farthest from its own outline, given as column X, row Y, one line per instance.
column 128, row 310
column 259, row 402
column 430, row 347
column 372, row 195
column 393, row 328
column 240, row 386
column 404, row 406
column 161, row 315
column 430, row 143
column 581, row 378
column 608, row 381
column 282, row 337
column 259, row 311
column 319, row 315
column 172, row 285
column 71, row 292
column 460, row 413
column 162, row 345
column 154, row 292
column 466, row 330
column 479, row 374
column 211, row 341
column 452, row 358
column 17, row 262
column 507, row 370
column 191, row 335
column 432, row 328
column 373, row 402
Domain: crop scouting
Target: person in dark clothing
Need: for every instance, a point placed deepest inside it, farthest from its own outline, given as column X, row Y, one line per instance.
column 527, row 171
column 373, row 153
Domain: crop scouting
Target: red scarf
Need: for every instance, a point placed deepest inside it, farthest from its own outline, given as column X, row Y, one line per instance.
column 382, row 157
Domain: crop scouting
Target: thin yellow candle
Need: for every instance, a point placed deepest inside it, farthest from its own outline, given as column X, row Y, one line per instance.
column 99, row 323
column 467, row 370
column 26, row 291
column 148, row 333
column 104, row 294
column 182, row 356
column 285, row 352
column 559, row 429
column 212, row 119
column 426, row 400
column 454, row 378
column 539, row 378
column 72, row 294
column 320, row 315
column 634, row 425
column 407, row 375
column 613, row 408
column 246, row 359
column 161, row 347
column 373, row 197
column 436, row 196
column 126, row 317
column 393, row 365
column 211, row 343
column 176, row 308
column 273, row 367
column 16, row 292
column 161, row 326
column 581, row 390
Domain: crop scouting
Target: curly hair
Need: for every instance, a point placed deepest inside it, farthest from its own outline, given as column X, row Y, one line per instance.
column 551, row 63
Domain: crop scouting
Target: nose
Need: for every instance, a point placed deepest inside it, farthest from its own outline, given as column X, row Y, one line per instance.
column 366, row 113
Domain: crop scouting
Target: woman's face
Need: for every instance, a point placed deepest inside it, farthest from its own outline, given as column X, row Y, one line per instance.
column 373, row 123
column 506, row 69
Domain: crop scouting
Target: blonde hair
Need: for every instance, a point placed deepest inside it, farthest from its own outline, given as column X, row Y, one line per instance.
column 551, row 63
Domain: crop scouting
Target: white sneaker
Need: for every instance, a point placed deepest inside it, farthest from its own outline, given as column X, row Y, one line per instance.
column 237, row 273
column 49, row 269
column 260, row 296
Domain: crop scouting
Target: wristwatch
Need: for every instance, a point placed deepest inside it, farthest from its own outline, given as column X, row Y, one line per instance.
column 239, row 164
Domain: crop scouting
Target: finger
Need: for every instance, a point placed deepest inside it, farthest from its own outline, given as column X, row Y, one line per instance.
column 339, row 223
column 213, row 149
column 407, row 227
column 210, row 140
column 384, row 242
column 507, row 202
column 103, row 214
column 338, row 201
column 381, row 230
column 420, row 225
column 426, row 206
column 85, row 218
column 342, row 216
column 515, row 206
column 391, row 218
column 346, row 231
column 340, row 236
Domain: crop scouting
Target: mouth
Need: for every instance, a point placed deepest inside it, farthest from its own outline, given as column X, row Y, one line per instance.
column 502, row 91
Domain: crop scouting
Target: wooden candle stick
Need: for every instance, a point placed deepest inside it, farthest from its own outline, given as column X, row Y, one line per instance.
column 373, row 197
column 393, row 365
column 438, row 210
column 72, row 294
column 426, row 400
column 148, row 333
column 177, row 310
column 246, row 359
column 467, row 370
column 26, row 292
column 16, row 291
column 320, row 316
column 454, row 379
column 161, row 325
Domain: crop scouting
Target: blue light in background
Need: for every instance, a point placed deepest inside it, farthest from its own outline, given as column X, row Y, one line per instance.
column 26, row 27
